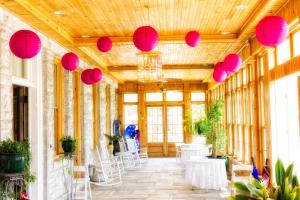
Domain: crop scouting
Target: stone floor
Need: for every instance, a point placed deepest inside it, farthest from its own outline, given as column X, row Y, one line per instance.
column 159, row 179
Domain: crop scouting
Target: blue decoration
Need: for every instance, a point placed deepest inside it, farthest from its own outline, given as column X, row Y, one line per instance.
column 130, row 131
column 116, row 126
column 255, row 173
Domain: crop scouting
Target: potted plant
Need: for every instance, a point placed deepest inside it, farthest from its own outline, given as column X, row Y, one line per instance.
column 210, row 126
column 69, row 145
column 12, row 156
column 286, row 187
column 113, row 143
column 15, row 157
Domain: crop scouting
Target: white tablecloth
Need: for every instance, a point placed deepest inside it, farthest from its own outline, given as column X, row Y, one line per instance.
column 206, row 173
column 198, row 151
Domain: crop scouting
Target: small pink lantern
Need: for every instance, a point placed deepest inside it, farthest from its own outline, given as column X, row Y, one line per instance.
column 145, row 38
column 104, row 44
column 96, row 75
column 86, row 76
column 232, row 63
column 272, row 30
column 192, row 38
column 70, row 61
column 219, row 74
column 25, row 44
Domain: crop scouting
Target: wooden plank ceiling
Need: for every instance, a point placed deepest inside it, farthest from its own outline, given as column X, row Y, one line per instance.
column 225, row 25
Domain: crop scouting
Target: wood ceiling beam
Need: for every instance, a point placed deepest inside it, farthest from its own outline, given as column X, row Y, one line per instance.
column 212, row 38
column 165, row 67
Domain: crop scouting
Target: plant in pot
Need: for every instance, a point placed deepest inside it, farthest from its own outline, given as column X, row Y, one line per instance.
column 15, row 157
column 69, row 146
column 210, row 126
column 113, row 143
column 286, row 187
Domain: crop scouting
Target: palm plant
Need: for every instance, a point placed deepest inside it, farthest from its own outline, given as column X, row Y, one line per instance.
column 286, row 188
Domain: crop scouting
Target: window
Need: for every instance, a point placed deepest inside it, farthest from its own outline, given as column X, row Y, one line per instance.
column 58, row 104
column 130, row 115
column 19, row 67
column 130, row 98
column 283, row 52
column 296, row 43
column 198, row 96
column 271, row 59
column 198, row 110
column 175, row 128
column 284, row 104
column 154, row 96
column 174, row 96
column 154, row 125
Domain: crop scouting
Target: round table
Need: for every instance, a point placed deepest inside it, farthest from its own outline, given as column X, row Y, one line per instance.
column 206, row 173
column 188, row 152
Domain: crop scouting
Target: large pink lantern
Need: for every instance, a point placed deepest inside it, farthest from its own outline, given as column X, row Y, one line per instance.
column 25, row 44
column 96, row 75
column 232, row 63
column 192, row 38
column 86, row 76
column 219, row 73
column 104, row 44
column 70, row 61
column 271, row 31
column 145, row 38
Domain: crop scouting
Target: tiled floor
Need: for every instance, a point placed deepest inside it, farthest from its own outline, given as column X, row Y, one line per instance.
column 159, row 179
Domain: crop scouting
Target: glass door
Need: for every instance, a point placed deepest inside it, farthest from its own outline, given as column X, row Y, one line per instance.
column 174, row 128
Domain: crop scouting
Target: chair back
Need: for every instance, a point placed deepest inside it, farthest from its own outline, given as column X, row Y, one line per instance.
column 131, row 145
column 242, row 169
column 104, row 153
column 122, row 145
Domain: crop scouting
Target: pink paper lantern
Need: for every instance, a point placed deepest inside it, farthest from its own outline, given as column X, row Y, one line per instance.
column 219, row 74
column 96, row 75
column 221, row 65
column 272, row 30
column 86, row 76
column 104, row 44
column 232, row 63
column 145, row 38
column 25, row 44
column 192, row 38
column 70, row 61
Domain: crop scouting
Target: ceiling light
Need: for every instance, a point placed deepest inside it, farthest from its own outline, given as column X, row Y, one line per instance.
column 225, row 32
column 59, row 12
column 85, row 36
column 242, row 6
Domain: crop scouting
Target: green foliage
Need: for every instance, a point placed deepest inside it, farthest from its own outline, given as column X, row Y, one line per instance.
column 188, row 123
column 18, row 147
column 286, row 188
column 112, row 138
column 210, row 126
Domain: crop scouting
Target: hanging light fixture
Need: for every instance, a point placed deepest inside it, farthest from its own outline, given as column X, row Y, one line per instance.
column 150, row 67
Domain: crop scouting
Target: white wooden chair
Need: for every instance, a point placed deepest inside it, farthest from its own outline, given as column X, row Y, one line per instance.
column 109, row 172
column 106, row 155
column 245, row 169
column 178, row 151
column 127, row 157
column 87, row 193
column 133, row 150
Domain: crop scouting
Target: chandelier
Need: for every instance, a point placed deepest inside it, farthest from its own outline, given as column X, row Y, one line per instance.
column 150, row 67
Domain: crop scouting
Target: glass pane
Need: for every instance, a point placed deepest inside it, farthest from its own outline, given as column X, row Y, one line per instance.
column 296, row 43
column 271, row 59
column 175, row 127
column 174, row 96
column 130, row 98
column 130, row 115
column 154, row 125
column 198, row 96
column 198, row 110
column 283, row 52
column 154, row 96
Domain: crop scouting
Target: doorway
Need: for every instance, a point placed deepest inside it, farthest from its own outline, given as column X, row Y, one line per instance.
column 164, row 129
column 20, row 112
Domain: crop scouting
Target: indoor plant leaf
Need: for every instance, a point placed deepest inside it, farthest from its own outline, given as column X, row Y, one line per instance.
column 279, row 173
